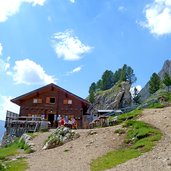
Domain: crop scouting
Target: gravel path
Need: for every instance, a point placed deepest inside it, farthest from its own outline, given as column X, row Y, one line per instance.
column 159, row 159
column 75, row 155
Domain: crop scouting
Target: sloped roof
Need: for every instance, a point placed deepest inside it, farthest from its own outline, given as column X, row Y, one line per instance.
column 40, row 90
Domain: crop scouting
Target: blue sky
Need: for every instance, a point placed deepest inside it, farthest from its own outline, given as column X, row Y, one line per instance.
column 72, row 42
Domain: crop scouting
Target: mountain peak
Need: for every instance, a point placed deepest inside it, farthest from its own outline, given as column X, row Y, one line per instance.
column 165, row 69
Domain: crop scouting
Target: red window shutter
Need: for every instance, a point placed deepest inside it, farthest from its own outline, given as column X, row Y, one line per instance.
column 39, row 100
column 65, row 102
column 47, row 99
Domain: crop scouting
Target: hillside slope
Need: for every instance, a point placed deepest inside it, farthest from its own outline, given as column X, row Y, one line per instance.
column 160, row 157
column 144, row 93
column 77, row 155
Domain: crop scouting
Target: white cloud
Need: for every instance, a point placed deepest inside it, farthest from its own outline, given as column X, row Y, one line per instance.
column 11, row 7
column 75, row 70
column 72, row 1
column 6, row 104
column 28, row 72
column 1, row 48
column 158, row 17
column 5, row 64
column 138, row 87
column 68, row 46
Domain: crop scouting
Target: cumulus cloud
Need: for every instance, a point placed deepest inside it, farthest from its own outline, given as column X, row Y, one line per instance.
column 11, row 7
column 75, row 70
column 5, row 105
column 68, row 46
column 5, row 64
column 158, row 17
column 138, row 87
column 28, row 72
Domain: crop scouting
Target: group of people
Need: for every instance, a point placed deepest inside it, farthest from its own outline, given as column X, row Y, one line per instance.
column 66, row 121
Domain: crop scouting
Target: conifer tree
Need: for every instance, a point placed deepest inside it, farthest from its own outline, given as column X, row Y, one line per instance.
column 107, row 80
column 167, row 80
column 154, row 83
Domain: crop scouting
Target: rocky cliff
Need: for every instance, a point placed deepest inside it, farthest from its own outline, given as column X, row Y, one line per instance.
column 118, row 96
column 144, row 94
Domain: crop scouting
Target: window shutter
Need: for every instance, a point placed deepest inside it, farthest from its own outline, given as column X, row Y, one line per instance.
column 47, row 99
column 39, row 100
column 65, row 102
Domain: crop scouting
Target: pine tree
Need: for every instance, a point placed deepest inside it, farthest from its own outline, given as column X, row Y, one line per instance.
column 127, row 74
column 98, row 85
column 92, row 91
column 92, row 97
column 107, row 80
column 167, row 80
column 92, row 87
column 154, row 83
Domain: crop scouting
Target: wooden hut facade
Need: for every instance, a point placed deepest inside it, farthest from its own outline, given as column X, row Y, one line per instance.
column 50, row 101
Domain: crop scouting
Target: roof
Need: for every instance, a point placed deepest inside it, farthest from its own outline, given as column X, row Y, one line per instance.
column 40, row 90
column 105, row 111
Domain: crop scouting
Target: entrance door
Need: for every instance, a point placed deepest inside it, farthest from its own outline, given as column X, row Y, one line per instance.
column 51, row 119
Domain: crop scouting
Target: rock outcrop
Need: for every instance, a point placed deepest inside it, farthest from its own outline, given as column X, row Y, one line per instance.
column 59, row 137
column 144, row 93
column 27, row 142
column 118, row 96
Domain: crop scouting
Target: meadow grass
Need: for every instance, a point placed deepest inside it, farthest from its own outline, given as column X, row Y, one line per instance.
column 10, row 150
column 140, row 138
column 16, row 165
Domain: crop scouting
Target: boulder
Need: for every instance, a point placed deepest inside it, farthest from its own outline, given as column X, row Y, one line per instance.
column 60, row 136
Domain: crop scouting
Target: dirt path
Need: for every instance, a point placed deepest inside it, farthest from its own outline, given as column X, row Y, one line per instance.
column 75, row 155
column 159, row 159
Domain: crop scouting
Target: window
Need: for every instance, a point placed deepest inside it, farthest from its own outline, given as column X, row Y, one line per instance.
column 67, row 102
column 50, row 100
column 37, row 100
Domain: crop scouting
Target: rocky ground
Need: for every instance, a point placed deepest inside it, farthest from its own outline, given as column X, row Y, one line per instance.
column 77, row 155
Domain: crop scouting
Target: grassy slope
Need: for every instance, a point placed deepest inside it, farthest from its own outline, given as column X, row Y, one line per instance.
column 140, row 138
column 12, row 150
